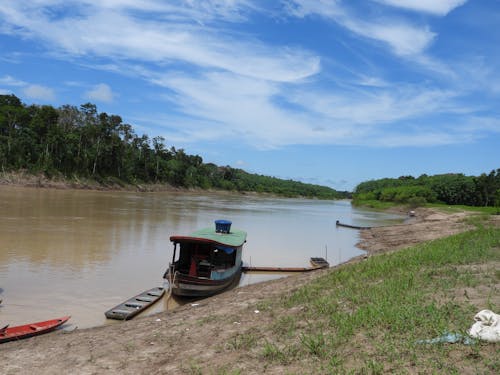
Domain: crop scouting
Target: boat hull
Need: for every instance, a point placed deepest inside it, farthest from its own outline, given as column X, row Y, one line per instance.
column 189, row 286
column 30, row 330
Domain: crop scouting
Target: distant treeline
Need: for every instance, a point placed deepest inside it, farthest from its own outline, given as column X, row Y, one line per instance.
column 452, row 189
column 81, row 142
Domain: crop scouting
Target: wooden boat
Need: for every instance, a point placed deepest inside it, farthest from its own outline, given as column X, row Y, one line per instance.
column 317, row 263
column 135, row 305
column 339, row 224
column 28, row 330
column 276, row 269
column 208, row 260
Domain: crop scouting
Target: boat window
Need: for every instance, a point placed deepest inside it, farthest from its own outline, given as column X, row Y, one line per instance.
column 227, row 250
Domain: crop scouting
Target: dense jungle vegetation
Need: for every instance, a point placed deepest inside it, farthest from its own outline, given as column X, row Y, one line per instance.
column 451, row 189
column 81, row 142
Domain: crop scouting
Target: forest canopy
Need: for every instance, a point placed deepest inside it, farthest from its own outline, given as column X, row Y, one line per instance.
column 451, row 189
column 82, row 142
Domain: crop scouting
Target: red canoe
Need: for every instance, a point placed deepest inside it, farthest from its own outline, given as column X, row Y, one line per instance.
column 28, row 330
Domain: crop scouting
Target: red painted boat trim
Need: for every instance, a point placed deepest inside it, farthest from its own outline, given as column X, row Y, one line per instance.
column 31, row 329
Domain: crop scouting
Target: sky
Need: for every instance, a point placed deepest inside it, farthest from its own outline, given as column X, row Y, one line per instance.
column 328, row 92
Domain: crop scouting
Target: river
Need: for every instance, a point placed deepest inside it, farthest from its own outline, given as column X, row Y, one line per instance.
column 79, row 253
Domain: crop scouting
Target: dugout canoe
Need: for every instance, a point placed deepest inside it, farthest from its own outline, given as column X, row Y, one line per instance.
column 317, row 263
column 29, row 330
column 339, row 224
column 135, row 305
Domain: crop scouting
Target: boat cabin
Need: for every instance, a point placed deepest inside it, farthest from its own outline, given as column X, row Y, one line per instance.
column 199, row 259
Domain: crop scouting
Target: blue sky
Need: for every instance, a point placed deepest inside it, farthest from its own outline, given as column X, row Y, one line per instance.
column 322, row 91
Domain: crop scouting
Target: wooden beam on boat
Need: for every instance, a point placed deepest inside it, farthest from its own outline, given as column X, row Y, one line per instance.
column 339, row 224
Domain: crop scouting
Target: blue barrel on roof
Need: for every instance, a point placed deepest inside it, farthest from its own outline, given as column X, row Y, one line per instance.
column 222, row 226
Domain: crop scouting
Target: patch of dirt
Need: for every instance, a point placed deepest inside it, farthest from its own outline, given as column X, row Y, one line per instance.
column 488, row 290
column 201, row 338
column 427, row 224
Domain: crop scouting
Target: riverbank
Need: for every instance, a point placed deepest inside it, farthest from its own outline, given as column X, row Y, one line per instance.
column 40, row 180
column 242, row 331
column 426, row 224
column 267, row 186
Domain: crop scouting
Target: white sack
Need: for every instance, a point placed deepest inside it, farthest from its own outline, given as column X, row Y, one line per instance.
column 486, row 327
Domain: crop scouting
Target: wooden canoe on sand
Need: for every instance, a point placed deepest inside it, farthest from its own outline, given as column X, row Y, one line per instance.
column 29, row 330
column 133, row 306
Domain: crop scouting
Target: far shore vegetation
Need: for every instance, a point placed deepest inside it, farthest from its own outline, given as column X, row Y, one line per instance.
column 452, row 189
column 85, row 147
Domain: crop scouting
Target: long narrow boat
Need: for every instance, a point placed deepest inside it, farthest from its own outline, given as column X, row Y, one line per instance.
column 316, row 263
column 135, row 305
column 339, row 224
column 28, row 330
column 208, row 260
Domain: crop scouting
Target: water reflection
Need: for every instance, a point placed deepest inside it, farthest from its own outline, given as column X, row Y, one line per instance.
column 65, row 252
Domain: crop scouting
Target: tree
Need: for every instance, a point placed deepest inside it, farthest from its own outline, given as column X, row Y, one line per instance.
column 83, row 142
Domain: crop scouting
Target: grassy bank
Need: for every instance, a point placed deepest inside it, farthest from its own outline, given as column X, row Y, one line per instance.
column 369, row 316
column 379, row 205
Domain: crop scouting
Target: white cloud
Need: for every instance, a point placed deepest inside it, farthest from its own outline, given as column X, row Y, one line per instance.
column 404, row 38
column 227, row 84
column 269, row 115
column 371, row 81
column 98, row 31
column 100, row 93
column 232, row 106
column 435, row 7
column 39, row 92
column 11, row 81
column 32, row 91
column 374, row 107
column 185, row 10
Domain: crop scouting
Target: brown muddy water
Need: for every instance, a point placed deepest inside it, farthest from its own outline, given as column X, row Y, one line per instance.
column 79, row 253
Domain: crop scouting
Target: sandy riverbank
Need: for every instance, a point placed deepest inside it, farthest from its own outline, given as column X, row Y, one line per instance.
column 168, row 342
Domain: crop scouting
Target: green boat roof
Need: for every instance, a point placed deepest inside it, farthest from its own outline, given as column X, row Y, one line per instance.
column 235, row 238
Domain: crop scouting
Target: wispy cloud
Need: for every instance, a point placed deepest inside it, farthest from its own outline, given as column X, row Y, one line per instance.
column 98, row 31
column 32, row 91
column 403, row 37
column 272, row 115
column 223, row 82
column 435, row 7
column 100, row 93
column 39, row 92
column 11, row 81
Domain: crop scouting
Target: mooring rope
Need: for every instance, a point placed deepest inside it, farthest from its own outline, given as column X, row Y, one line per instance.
column 171, row 281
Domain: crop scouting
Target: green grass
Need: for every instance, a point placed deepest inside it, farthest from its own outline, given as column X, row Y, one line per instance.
column 375, row 204
column 457, row 208
column 379, row 205
column 241, row 341
column 380, row 308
